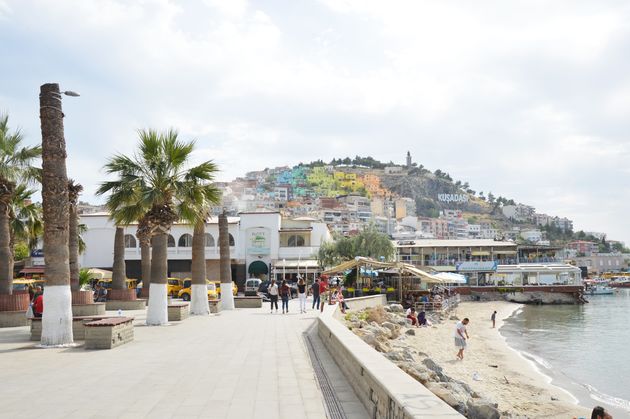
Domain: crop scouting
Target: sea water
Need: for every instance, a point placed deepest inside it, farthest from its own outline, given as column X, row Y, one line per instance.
column 584, row 349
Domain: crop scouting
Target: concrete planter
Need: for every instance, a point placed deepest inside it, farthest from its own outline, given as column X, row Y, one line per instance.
column 14, row 302
column 128, row 294
column 82, row 297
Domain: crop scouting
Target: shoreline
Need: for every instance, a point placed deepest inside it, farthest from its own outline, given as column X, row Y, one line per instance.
column 518, row 387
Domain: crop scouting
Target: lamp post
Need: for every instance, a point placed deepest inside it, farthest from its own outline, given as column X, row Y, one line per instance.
column 57, row 318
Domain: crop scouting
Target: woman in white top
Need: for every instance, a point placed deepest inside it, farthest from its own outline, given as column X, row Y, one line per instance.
column 273, row 294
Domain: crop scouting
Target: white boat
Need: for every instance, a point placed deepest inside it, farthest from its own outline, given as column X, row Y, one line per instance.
column 598, row 288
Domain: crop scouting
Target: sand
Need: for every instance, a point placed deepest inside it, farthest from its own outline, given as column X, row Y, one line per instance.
column 514, row 384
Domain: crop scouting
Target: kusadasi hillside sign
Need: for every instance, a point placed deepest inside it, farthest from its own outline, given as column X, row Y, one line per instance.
column 453, row 197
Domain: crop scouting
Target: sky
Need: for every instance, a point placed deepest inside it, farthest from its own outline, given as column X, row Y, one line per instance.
column 527, row 99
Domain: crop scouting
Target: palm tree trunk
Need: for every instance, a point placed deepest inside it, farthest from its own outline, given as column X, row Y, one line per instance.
column 157, row 313
column 6, row 268
column 145, row 264
column 227, row 299
column 73, row 247
column 57, row 317
column 199, row 300
column 119, row 273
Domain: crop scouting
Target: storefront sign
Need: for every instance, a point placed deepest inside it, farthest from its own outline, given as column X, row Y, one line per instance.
column 258, row 241
column 477, row 266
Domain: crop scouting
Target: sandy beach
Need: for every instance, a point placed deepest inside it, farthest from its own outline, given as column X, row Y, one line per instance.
column 514, row 383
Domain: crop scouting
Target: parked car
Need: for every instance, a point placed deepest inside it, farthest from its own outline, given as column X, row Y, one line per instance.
column 251, row 286
column 186, row 292
column 217, row 284
column 173, row 286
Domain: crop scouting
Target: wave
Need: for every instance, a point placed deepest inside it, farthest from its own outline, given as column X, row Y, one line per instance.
column 537, row 359
column 607, row 398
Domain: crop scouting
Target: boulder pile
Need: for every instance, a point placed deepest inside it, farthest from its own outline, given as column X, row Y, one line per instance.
column 386, row 330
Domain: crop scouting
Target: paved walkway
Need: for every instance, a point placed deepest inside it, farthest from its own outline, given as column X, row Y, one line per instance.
column 244, row 363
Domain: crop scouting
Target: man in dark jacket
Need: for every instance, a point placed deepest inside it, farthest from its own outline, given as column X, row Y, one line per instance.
column 315, row 292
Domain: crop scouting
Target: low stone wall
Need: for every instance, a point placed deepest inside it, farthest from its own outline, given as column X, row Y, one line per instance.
column 78, row 323
column 108, row 333
column 93, row 309
column 529, row 294
column 247, row 302
column 178, row 312
column 139, row 304
column 383, row 388
column 215, row 306
column 13, row 318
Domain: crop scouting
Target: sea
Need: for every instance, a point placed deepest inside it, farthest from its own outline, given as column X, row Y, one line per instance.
column 584, row 349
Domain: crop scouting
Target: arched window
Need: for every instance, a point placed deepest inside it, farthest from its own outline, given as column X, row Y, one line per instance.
column 185, row 240
column 170, row 242
column 130, row 241
column 295, row 241
column 209, row 240
column 231, row 239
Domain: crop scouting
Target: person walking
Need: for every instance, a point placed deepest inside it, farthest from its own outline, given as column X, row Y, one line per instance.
column 302, row 295
column 460, row 340
column 273, row 294
column 315, row 292
column 323, row 293
column 285, row 293
column 494, row 319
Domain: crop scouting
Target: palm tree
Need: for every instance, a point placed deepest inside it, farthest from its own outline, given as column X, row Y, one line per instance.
column 57, row 317
column 119, row 271
column 227, row 299
column 15, row 166
column 152, row 186
column 74, row 190
column 26, row 220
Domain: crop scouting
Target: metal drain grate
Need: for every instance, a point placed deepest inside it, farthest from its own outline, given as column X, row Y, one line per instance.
column 333, row 406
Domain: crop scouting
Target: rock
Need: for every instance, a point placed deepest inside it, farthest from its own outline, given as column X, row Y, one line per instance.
column 387, row 308
column 390, row 326
column 451, row 395
column 419, row 374
column 482, row 409
column 431, row 365
column 410, row 332
column 382, row 346
column 453, row 317
column 394, row 329
column 396, row 308
column 401, row 321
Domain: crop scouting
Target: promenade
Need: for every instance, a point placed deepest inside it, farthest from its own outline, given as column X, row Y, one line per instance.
column 244, row 363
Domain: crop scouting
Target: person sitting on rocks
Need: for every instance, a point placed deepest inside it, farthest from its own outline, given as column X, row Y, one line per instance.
column 422, row 318
column 412, row 316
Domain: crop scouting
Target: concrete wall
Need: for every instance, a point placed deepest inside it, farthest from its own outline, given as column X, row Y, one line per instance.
column 383, row 388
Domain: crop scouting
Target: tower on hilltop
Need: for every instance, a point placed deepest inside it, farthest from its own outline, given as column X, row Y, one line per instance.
column 408, row 160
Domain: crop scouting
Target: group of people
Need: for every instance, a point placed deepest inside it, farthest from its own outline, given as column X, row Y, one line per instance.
column 320, row 291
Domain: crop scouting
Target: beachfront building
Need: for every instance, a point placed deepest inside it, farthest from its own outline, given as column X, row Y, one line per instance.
column 583, row 247
column 262, row 243
column 531, row 274
column 598, row 263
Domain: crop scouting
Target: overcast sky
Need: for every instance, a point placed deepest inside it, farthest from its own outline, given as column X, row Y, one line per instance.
column 527, row 99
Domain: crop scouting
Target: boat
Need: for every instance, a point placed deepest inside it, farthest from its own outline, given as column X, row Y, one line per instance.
column 620, row 282
column 597, row 287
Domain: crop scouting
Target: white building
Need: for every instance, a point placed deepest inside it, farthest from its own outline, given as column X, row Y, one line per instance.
column 531, row 235
column 262, row 243
column 519, row 212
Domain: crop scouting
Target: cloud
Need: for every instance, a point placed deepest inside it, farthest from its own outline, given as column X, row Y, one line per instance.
column 526, row 99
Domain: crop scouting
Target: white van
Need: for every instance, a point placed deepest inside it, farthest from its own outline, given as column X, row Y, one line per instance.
column 251, row 286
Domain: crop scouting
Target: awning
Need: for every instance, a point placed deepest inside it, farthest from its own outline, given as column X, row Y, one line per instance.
column 96, row 273
column 443, row 268
column 480, row 253
column 292, row 264
column 505, row 252
column 452, row 278
column 258, row 267
column 403, row 268
column 477, row 267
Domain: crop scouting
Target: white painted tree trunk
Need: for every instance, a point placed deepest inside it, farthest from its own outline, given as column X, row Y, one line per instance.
column 57, row 316
column 157, row 313
column 227, row 298
column 199, row 300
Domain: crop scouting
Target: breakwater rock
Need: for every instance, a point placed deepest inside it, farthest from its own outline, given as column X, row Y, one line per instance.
column 386, row 330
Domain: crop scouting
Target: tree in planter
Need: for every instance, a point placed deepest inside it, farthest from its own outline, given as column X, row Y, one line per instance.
column 15, row 167
column 152, row 187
